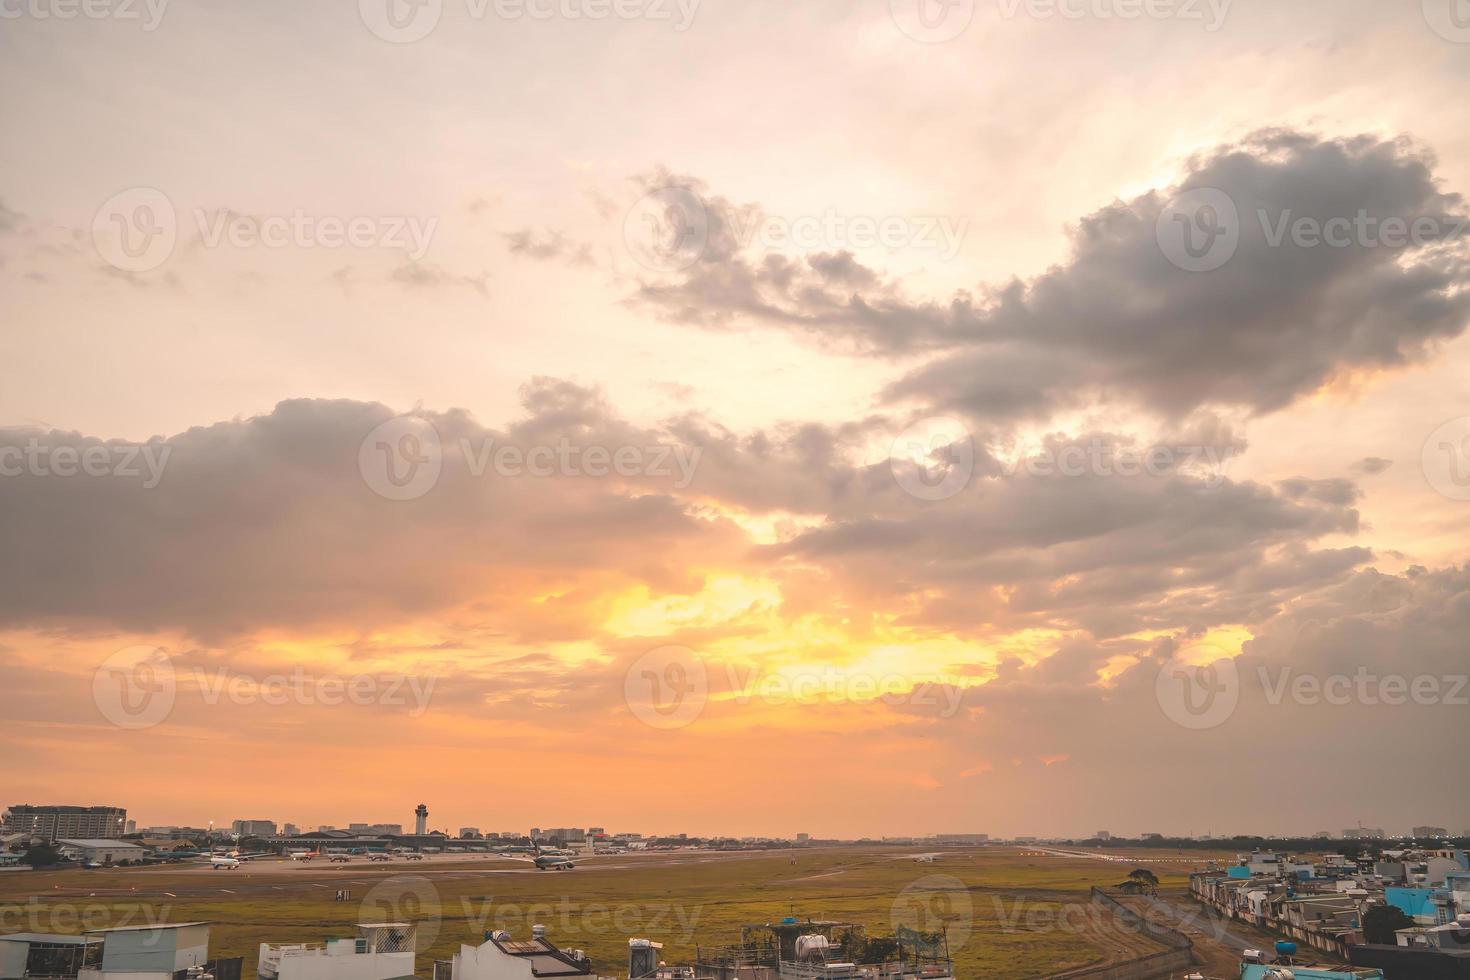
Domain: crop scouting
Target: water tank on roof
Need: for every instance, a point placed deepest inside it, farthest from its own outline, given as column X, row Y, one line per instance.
column 1285, row 948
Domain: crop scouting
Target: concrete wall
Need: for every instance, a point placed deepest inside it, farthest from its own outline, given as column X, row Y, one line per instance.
column 13, row 959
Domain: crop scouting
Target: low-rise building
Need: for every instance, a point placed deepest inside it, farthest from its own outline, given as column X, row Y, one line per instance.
column 381, row 951
column 156, row 952
column 101, row 851
column 502, row 958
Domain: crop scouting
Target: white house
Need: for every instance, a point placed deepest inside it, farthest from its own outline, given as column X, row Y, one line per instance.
column 380, row 951
column 503, row 958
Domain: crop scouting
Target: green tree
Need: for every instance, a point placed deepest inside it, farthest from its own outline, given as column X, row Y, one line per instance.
column 1147, row 880
column 1380, row 923
column 42, row 856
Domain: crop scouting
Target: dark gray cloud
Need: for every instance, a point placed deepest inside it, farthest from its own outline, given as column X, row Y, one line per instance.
column 270, row 522
column 1118, row 320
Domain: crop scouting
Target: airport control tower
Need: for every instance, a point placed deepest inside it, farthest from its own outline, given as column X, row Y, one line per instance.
column 421, row 820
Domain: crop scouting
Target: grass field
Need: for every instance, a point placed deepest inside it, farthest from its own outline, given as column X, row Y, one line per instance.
column 1009, row 913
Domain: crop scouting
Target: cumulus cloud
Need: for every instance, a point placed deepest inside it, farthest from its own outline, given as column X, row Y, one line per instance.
column 280, row 521
column 1118, row 320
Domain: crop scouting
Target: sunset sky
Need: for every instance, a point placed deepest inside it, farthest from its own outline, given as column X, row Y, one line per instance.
column 847, row 285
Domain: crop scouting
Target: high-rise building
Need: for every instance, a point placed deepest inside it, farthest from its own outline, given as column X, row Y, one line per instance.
column 74, row 822
column 469, row 833
column 290, row 830
column 1431, row 832
column 253, row 828
column 132, row 827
